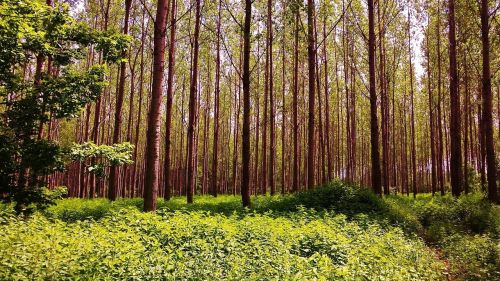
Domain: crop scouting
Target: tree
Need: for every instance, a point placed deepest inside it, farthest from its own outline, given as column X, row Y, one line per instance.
column 311, row 55
column 193, row 89
column 168, row 119
column 272, row 137
column 455, row 123
column 375, row 154
column 152, row 168
column 487, row 103
column 113, row 183
column 245, row 150
column 216, row 107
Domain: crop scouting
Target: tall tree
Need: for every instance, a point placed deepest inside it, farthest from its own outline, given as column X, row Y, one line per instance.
column 487, row 103
column 375, row 154
column 272, row 129
column 311, row 55
column 113, row 175
column 295, row 181
column 245, row 150
column 168, row 119
column 455, row 123
column 215, row 152
column 193, row 90
column 152, row 168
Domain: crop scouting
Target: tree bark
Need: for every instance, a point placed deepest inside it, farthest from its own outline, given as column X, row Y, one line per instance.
column 311, row 54
column 488, row 104
column 151, row 179
column 455, row 123
column 168, row 119
column 375, row 155
column 245, row 151
column 193, row 90
column 114, row 170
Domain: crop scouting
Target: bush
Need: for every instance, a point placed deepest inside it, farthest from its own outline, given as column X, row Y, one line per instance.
column 196, row 245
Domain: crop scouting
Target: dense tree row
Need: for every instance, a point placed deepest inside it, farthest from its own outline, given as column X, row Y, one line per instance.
column 253, row 97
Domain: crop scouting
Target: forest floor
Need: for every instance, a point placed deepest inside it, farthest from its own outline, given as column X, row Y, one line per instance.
column 337, row 232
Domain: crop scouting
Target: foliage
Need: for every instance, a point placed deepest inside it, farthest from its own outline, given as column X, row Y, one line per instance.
column 467, row 230
column 103, row 155
column 195, row 245
column 32, row 31
column 332, row 240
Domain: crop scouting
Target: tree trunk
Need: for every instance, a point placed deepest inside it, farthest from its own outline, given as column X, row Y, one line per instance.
column 114, row 170
column 215, row 159
column 245, row 151
column 295, row 181
column 151, row 179
column 488, row 104
column 455, row 123
column 375, row 155
column 272, row 137
column 193, row 89
column 311, row 54
column 168, row 119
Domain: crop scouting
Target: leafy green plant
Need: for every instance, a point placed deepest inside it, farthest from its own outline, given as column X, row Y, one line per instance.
column 32, row 32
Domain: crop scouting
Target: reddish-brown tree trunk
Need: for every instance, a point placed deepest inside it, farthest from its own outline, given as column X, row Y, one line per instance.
column 488, row 104
column 245, row 151
column 113, row 175
column 168, row 119
column 311, row 55
column 295, row 181
column 272, row 129
column 193, row 89
column 455, row 123
column 151, row 179
column 431, row 116
column 215, row 159
column 375, row 155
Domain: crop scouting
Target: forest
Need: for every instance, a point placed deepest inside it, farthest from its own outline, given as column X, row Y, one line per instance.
column 249, row 139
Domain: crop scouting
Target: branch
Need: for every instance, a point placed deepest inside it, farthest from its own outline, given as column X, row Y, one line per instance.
column 335, row 24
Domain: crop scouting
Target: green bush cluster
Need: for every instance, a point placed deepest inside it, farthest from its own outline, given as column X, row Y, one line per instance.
column 199, row 245
column 466, row 229
column 337, row 232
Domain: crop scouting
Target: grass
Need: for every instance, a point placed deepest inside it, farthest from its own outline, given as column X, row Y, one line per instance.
column 337, row 232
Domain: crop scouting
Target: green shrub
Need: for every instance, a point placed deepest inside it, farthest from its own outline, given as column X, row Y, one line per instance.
column 196, row 245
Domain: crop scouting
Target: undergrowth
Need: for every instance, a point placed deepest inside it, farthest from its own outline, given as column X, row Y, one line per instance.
column 337, row 232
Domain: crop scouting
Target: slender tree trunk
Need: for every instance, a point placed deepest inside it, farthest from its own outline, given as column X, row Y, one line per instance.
column 151, row 179
column 193, row 89
column 215, row 159
column 440, row 157
column 272, row 129
column 311, row 54
column 114, row 171
column 245, row 151
column 383, row 106
column 327, row 107
column 431, row 115
column 295, row 181
column 455, row 123
column 413, row 148
column 168, row 119
column 375, row 155
column 488, row 104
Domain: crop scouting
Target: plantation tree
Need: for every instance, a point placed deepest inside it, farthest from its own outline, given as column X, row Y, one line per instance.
column 375, row 155
column 487, row 103
column 192, row 106
column 455, row 123
column 151, row 179
column 245, row 151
